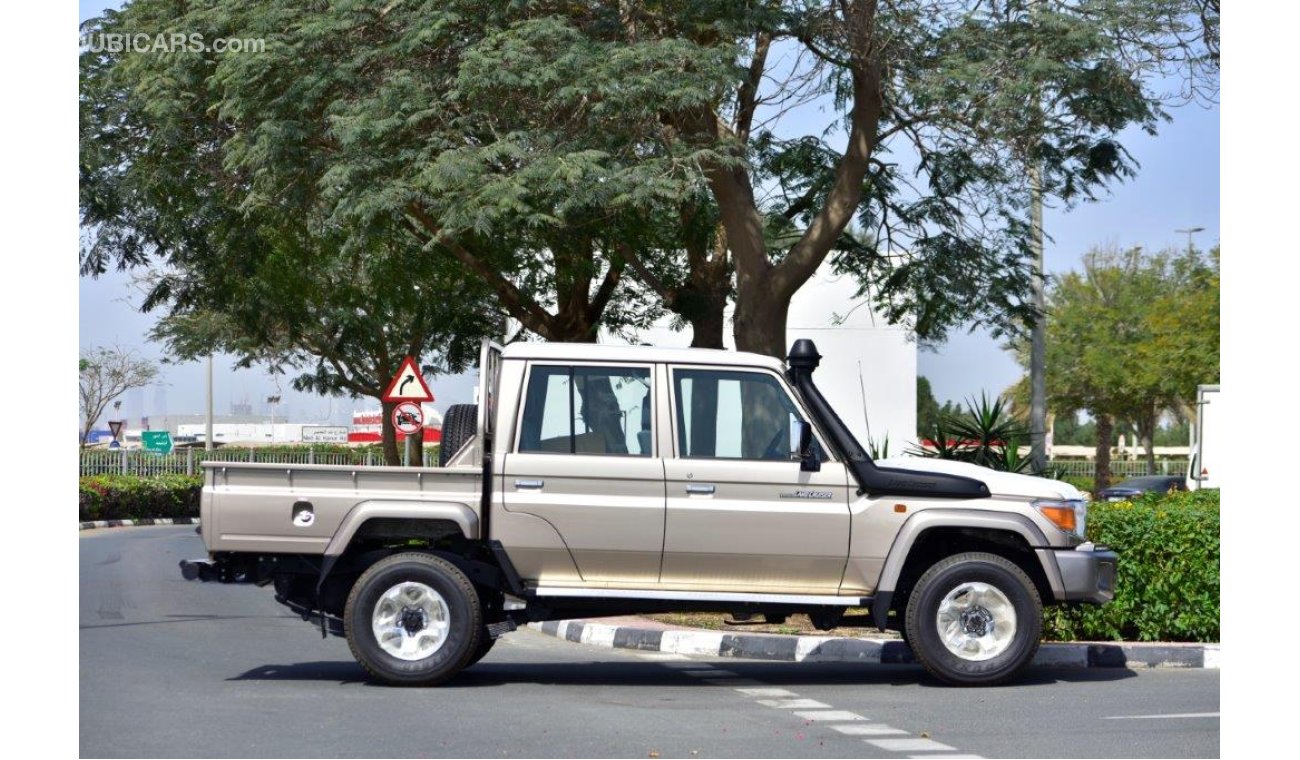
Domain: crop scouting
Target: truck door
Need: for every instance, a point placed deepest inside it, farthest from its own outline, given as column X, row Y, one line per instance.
column 741, row 514
column 585, row 460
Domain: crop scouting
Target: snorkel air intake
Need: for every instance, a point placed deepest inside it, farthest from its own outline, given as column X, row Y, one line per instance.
column 873, row 480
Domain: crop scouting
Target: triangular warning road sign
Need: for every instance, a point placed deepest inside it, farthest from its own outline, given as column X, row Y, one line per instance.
column 408, row 385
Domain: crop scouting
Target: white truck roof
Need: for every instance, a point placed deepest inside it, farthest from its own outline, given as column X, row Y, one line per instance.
column 596, row 352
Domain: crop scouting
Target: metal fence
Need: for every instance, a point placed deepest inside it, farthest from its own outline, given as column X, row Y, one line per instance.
column 187, row 461
column 1121, row 468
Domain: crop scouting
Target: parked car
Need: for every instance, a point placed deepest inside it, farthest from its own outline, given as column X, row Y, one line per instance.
column 606, row 480
column 1135, row 487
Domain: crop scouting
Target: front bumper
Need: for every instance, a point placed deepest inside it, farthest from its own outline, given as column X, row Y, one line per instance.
column 1087, row 573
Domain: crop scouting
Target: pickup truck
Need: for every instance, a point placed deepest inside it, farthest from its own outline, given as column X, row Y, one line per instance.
column 596, row 480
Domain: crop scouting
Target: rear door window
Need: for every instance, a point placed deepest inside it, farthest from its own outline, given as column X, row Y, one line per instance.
column 601, row 410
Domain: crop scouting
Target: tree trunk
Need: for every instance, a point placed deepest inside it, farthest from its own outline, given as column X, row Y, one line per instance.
column 1146, row 428
column 760, row 324
column 417, row 449
column 392, row 457
column 707, row 327
column 1105, row 429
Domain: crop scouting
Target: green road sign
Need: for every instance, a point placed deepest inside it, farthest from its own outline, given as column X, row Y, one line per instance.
column 157, row 441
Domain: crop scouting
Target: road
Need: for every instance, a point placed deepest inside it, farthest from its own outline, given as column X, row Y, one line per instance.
column 172, row 668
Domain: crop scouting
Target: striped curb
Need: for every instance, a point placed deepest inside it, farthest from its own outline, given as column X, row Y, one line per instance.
column 874, row 651
column 143, row 521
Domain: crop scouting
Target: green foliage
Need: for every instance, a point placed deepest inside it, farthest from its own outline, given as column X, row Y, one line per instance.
column 549, row 150
column 985, row 434
column 129, row 497
column 1167, row 587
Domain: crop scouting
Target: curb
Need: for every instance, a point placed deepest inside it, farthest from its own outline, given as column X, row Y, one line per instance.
column 143, row 521
column 786, row 648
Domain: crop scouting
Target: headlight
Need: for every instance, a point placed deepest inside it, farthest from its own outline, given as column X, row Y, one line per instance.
column 1070, row 516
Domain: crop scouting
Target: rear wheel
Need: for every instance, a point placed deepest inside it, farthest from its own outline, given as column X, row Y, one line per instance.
column 459, row 424
column 413, row 619
column 974, row 619
column 484, row 646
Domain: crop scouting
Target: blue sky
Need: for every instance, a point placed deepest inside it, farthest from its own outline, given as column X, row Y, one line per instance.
column 1177, row 187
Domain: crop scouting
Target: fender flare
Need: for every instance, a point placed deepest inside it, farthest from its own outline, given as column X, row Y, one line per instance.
column 462, row 515
column 958, row 518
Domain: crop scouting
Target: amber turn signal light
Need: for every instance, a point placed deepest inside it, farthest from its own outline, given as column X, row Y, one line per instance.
column 1061, row 517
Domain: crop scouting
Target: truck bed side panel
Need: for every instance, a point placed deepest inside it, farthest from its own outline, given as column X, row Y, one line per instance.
column 251, row 507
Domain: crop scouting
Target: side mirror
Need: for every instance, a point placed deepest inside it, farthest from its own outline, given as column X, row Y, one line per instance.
column 808, row 461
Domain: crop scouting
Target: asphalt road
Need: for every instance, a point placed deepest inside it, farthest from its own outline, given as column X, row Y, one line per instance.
column 172, row 668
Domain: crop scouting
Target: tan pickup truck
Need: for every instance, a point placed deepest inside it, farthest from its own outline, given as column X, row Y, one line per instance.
column 607, row 480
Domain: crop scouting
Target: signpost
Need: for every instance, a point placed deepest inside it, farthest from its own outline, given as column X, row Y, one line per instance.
column 324, row 434
column 157, row 441
column 408, row 385
column 408, row 418
column 408, row 390
column 115, row 427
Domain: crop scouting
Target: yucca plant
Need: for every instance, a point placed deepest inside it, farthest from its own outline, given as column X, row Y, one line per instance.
column 985, row 435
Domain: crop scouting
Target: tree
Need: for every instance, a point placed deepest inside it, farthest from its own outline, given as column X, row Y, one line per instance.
column 340, row 320
column 1130, row 337
column 107, row 373
column 927, row 407
column 597, row 163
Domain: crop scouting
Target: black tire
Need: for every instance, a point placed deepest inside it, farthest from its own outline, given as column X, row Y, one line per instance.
column 464, row 615
column 922, row 626
column 484, row 646
column 459, row 424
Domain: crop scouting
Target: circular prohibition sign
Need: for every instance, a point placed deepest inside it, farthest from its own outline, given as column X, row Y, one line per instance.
column 408, row 418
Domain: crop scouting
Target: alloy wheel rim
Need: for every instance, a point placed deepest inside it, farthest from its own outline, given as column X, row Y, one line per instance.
column 410, row 621
column 976, row 621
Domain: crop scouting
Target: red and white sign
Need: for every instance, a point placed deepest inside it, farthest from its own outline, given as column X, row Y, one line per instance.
column 408, row 418
column 408, row 385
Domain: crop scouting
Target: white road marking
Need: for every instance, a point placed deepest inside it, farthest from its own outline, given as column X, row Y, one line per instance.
column 909, row 745
column 1157, row 717
column 843, row 721
column 869, row 729
column 794, row 704
column 829, row 716
column 767, row 692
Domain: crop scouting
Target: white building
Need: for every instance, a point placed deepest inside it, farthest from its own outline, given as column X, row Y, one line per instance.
column 868, row 369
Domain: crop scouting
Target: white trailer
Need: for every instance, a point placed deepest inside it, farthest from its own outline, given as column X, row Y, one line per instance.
column 1203, row 470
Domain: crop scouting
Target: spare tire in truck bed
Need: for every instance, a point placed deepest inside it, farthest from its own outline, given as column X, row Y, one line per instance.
column 459, row 424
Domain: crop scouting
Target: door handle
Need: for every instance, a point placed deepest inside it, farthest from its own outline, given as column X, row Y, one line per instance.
column 700, row 488
column 529, row 483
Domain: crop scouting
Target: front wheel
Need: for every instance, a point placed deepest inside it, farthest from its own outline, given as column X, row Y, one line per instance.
column 974, row 619
column 413, row 619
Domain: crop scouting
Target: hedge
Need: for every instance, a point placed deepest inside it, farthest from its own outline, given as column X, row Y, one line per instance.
column 131, row 497
column 1167, row 584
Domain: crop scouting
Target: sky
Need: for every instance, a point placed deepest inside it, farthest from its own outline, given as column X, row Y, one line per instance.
column 1177, row 187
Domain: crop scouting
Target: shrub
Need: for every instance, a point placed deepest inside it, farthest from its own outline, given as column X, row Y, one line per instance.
column 131, row 497
column 1167, row 585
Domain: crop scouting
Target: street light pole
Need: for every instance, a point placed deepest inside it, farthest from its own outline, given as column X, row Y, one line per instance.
column 1189, row 232
column 274, row 401
column 1038, row 337
column 207, row 427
